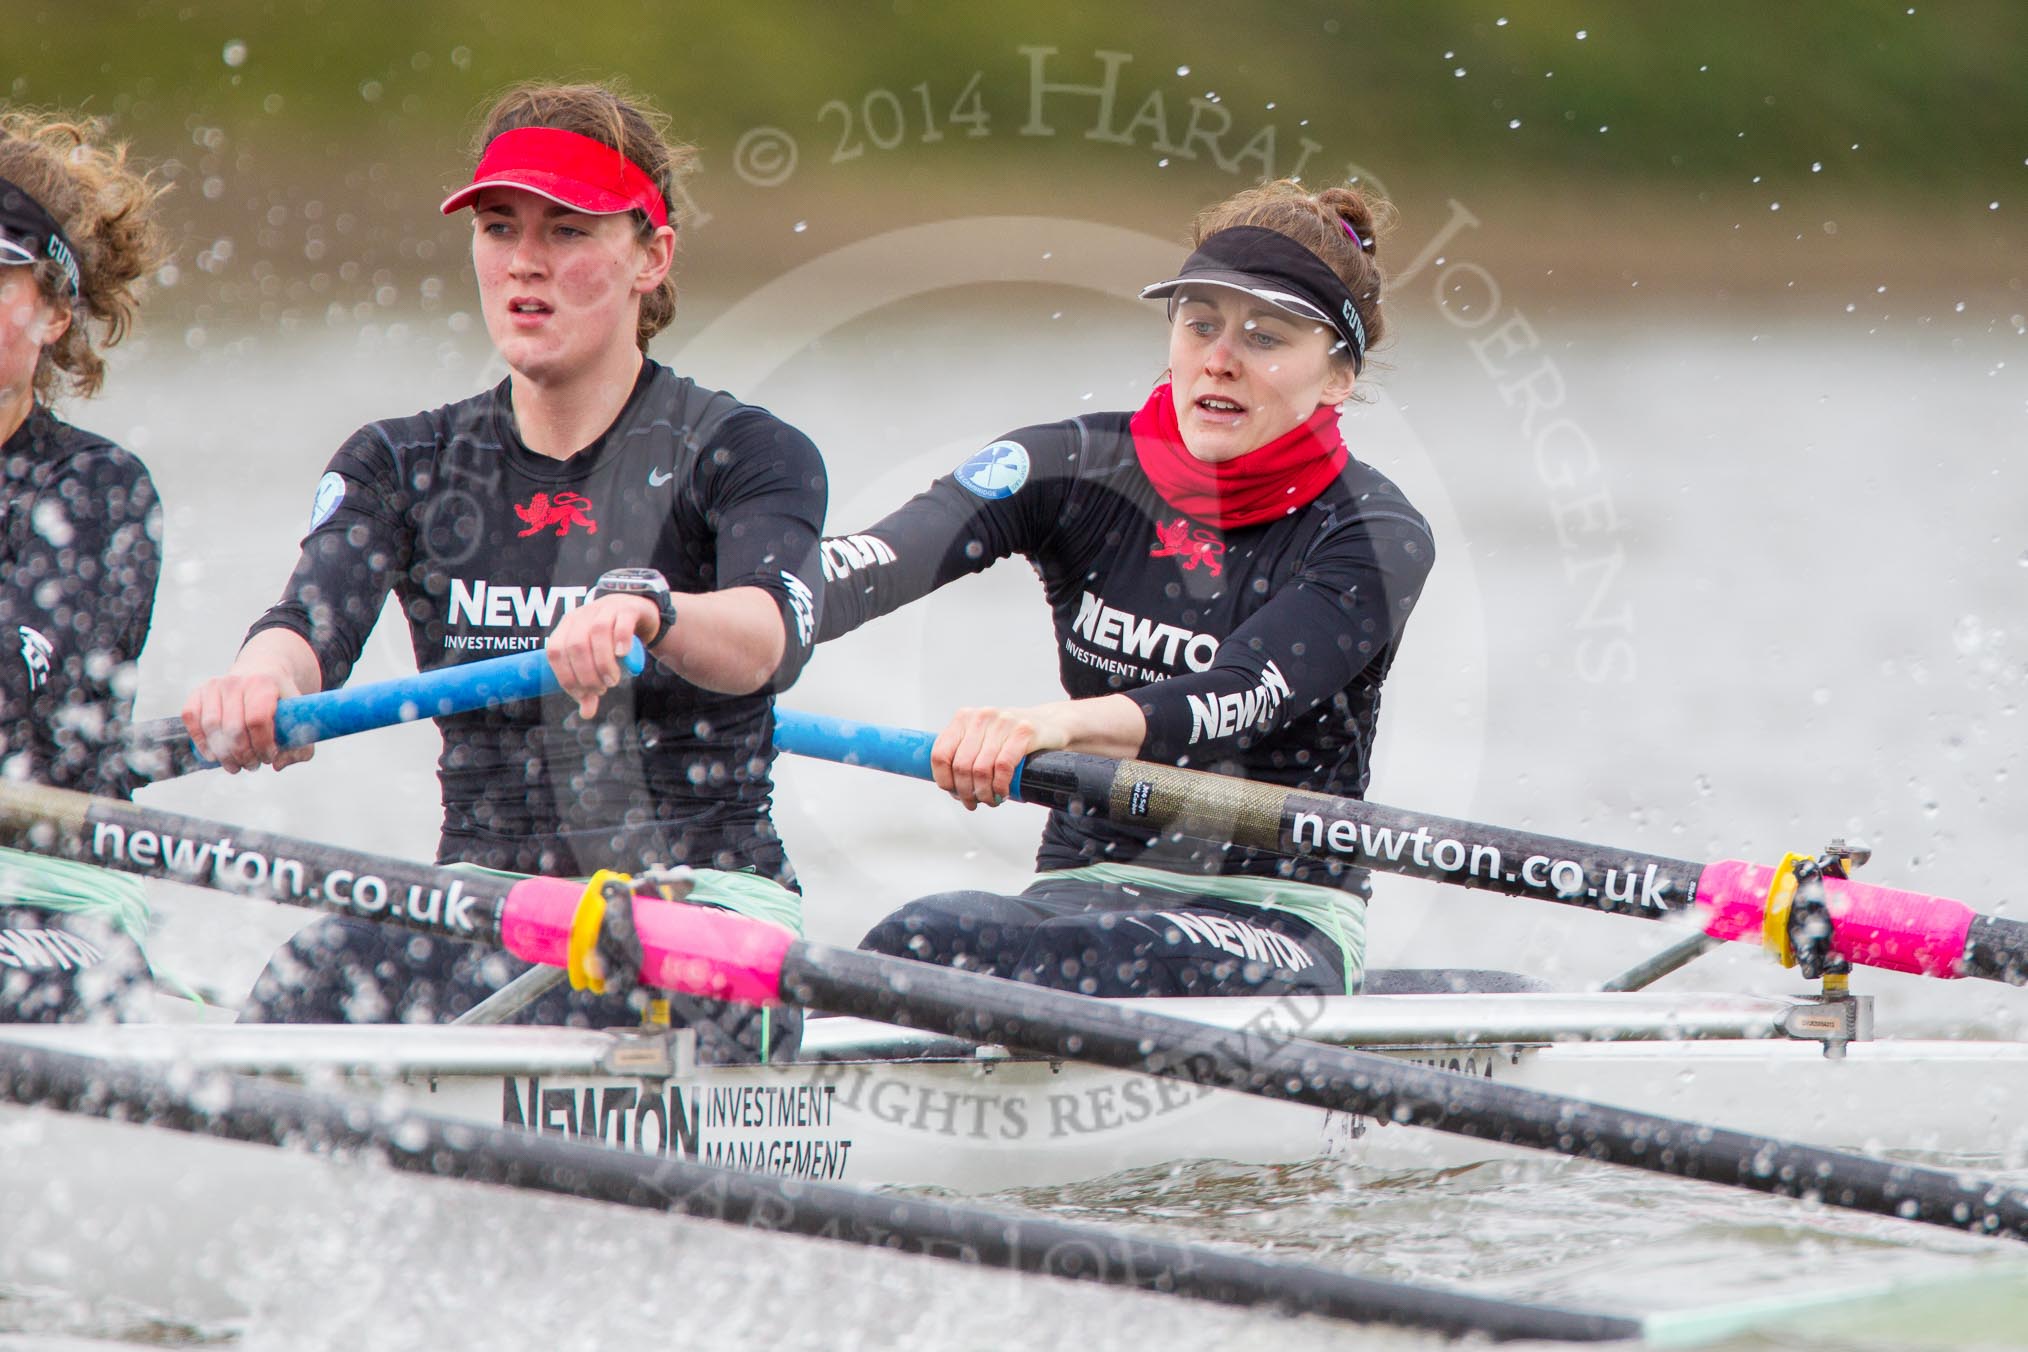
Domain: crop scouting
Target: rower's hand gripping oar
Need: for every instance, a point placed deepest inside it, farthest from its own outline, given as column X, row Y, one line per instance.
column 704, row 951
column 1805, row 909
column 439, row 693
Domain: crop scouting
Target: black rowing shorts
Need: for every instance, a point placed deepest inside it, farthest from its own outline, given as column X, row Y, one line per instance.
column 1116, row 939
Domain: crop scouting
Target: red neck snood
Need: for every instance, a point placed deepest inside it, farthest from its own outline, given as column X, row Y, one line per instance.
column 1281, row 477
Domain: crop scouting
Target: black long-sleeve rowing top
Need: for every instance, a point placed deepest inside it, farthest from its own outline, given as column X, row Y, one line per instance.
column 1257, row 652
column 80, row 552
column 486, row 545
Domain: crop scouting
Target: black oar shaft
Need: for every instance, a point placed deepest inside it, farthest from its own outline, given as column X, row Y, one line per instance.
column 1279, row 1065
column 1997, row 949
column 1290, row 822
column 269, row 1114
column 151, row 843
column 1348, row 831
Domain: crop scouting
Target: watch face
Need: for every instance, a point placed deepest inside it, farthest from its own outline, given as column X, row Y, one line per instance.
column 632, row 580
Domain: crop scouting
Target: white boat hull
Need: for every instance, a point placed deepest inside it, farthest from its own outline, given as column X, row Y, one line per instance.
column 984, row 1127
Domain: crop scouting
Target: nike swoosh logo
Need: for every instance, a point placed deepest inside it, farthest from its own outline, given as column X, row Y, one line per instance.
column 658, row 477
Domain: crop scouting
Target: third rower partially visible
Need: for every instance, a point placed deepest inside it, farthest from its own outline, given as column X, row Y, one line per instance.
column 80, row 552
column 1229, row 587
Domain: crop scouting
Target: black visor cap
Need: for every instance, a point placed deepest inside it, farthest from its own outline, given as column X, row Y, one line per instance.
column 1277, row 271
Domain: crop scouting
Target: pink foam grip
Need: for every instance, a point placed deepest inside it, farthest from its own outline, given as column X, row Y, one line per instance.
column 1871, row 926
column 695, row 950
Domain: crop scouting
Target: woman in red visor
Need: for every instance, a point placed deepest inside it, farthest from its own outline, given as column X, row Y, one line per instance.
column 1230, row 585
column 592, row 498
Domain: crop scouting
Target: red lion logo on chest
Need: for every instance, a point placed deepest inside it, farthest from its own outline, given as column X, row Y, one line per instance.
column 563, row 512
column 1177, row 540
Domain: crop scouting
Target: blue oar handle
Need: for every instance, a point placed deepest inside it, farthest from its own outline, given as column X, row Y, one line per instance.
column 431, row 694
column 305, row 719
column 898, row 751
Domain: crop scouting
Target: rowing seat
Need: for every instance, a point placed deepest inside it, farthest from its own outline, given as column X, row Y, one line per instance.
column 1449, row 981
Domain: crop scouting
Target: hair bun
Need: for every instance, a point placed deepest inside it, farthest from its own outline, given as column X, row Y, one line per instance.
column 1355, row 216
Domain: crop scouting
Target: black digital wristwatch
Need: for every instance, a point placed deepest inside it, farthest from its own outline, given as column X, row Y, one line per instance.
column 647, row 584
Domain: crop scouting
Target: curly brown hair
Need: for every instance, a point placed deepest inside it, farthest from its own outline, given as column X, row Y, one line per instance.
column 610, row 115
column 1339, row 225
column 107, row 209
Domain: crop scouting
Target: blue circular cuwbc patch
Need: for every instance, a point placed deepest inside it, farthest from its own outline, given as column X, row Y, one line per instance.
column 330, row 492
column 996, row 472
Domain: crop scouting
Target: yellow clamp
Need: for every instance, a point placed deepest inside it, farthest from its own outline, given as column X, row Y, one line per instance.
column 584, row 930
column 1781, row 895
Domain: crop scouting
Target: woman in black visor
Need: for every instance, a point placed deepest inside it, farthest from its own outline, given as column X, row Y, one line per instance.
column 80, row 549
column 1230, row 587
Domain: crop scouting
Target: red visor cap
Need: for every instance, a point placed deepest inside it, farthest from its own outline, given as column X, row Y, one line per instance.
column 576, row 171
